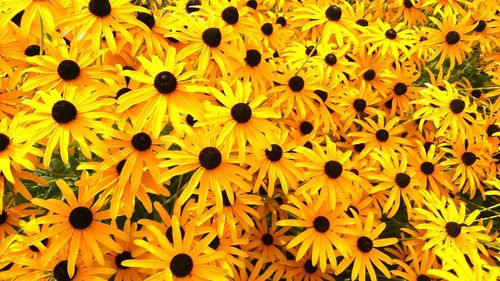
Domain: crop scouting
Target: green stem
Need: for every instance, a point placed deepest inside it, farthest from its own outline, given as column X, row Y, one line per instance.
column 488, row 218
column 489, row 209
column 308, row 56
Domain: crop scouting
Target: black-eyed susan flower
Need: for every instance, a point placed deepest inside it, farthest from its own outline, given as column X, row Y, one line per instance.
column 386, row 40
column 323, row 229
column 78, row 226
column 95, row 19
column 275, row 165
column 451, row 38
column 186, row 258
column 62, row 118
column 167, row 92
column 365, row 254
column 64, row 67
column 213, row 167
column 328, row 170
column 244, row 119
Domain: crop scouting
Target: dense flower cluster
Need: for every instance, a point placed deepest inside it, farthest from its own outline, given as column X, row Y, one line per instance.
column 249, row 140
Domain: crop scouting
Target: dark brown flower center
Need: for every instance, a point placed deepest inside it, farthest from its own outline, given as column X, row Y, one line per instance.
column 267, row 239
column 457, row 106
column 402, row 180
column 60, row 271
column 165, row 82
column 333, row 13
column 321, row 224
column 359, row 105
column 296, row 83
column 365, row 244
column 452, row 37
column 468, row 158
column 230, row 15
column 306, row 127
column 181, row 265
column 333, row 169
column 4, row 142
column 369, row 75
column 81, row 217
column 146, row 18
column 210, row 158
column 267, row 29
column 100, row 8
column 68, row 70
column 241, row 112
column 453, row 229
column 253, row 58
column 212, row 37
column 141, row 141
column 275, row 153
column 427, row 168
column 382, row 135
column 123, row 256
column 63, row 112
column 391, row 34
column 400, row 88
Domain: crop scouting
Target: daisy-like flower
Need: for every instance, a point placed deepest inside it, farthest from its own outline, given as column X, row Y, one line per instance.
column 487, row 24
column 210, row 41
column 409, row 12
column 326, row 22
column 243, row 119
column 77, row 226
column 398, row 179
column 427, row 160
column 377, row 135
column 328, row 170
column 168, row 91
column 65, row 67
column 275, row 165
column 212, row 165
column 132, row 150
column 295, row 91
column 365, row 253
column 61, row 119
column 470, row 161
column 94, row 19
column 448, row 227
column 384, row 39
column 401, row 90
column 452, row 39
column 323, row 230
column 184, row 259
column 448, row 110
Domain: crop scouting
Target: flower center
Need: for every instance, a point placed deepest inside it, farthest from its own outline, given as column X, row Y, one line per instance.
column 253, row 58
column 321, row 224
column 190, row 6
column 68, row 70
column 402, row 180
column 333, row 13
column 267, row 239
column 296, row 83
column 359, row 105
column 121, row 92
column 310, row 50
column 457, row 106
column 281, row 21
column 60, row 271
column 32, row 50
column 141, row 141
column 481, row 26
column 452, row 37
column 351, row 210
column 275, row 153
column 333, row 169
column 146, row 18
column 267, row 29
column 308, row 266
column 81, row 217
column 365, row 244
column 3, row 217
column 165, row 82
column 400, row 88
column 4, row 142
column 369, row 75
column 468, row 158
column 476, row 93
column 100, row 8
column 34, row 248
column 408, row 4
column 306, row 127
column 210, row 158
column 212, row 37
column 215, row 243
column 170, row 235
column 63, row 112
column 362, row 22
column 382, row 135
column 427, row 168
column 321, row 94
column 181, row 265
column 241, row 112
column 331, row 59
column 453, row 229
column 230, row 15
column 225, row 199
column 125, row 255
column 492, row 129
column 252, row 4
column 391, row 34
